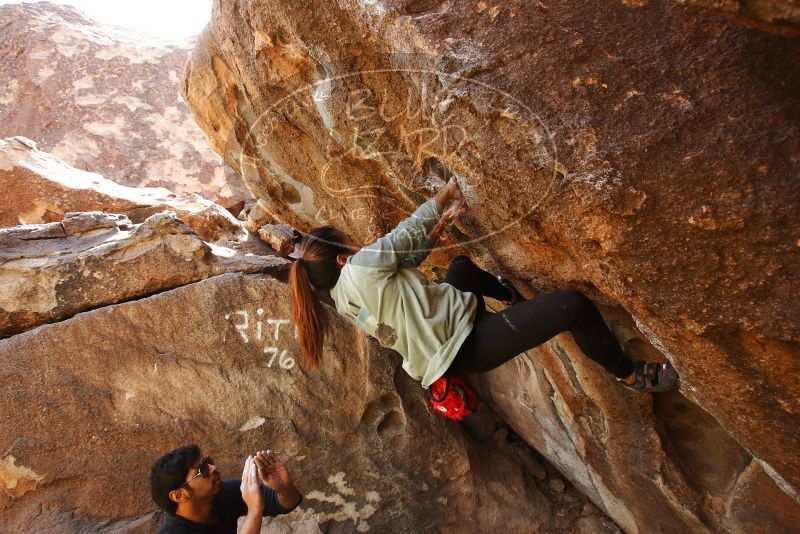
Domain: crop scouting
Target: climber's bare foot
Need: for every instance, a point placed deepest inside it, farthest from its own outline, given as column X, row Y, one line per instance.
column 650, row 377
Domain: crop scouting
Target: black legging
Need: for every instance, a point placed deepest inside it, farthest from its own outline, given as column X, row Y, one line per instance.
column 498, row 337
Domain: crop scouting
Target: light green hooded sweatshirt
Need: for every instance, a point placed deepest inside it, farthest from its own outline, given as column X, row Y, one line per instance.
column 382, row 293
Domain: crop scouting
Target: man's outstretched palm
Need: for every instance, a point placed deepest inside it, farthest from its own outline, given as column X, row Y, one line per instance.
column 272, row 471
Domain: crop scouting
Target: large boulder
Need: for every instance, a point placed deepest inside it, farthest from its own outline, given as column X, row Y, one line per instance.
column 105, row 100
column 91, row 259
column 90, row 402
column 664, row 456
column 40, row 188
column 644, row 153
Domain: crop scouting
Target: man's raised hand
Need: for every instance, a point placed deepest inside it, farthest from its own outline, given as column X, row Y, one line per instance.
column 251, row 492
column 272, row 471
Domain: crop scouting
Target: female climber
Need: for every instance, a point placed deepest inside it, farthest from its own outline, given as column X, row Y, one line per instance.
column 436, row 327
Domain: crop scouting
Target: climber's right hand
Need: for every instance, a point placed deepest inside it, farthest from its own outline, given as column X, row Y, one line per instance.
column 454, row 211
column 454, row 190
column 449, row 192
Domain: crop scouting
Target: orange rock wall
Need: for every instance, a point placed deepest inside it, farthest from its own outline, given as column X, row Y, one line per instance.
column 645, row 153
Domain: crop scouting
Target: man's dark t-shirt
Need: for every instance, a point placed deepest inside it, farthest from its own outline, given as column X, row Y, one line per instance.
column 228, row 507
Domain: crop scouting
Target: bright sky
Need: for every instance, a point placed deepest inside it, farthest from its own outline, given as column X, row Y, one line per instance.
column 167, row 19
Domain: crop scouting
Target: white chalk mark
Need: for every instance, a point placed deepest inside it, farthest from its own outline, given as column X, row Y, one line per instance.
column 274, row 351
column 287, row 362
column 242, row 328
column 254, row 422
column 277, row 323
column 282, row 358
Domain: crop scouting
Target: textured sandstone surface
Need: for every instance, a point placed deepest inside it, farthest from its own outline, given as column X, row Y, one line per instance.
column 622, row 449
column 643, row 152
column 105, row 99
column 39, row 188
column 781, row 17
column 280, row 237
column 90, row 402
column 91, row 259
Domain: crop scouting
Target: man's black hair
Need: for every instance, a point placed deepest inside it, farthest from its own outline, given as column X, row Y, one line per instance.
column 169, row 472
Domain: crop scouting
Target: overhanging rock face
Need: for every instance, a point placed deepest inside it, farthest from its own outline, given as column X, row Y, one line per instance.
column 89, row 403
column 645, row 153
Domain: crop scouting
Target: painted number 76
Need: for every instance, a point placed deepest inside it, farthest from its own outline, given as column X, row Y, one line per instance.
column 283, row 359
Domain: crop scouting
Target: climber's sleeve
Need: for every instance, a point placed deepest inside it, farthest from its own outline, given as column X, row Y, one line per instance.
column 406, row 245
column 418, row 256
column 272, row 505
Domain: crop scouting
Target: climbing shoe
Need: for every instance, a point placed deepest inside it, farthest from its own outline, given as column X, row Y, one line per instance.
column 651, row 377
column 516, row 296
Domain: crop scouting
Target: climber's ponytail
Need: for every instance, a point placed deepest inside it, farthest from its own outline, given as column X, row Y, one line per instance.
column 315, row 267
column 309, row 316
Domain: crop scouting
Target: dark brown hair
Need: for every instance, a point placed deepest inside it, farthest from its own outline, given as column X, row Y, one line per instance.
column 169, row 473
column 315, row 265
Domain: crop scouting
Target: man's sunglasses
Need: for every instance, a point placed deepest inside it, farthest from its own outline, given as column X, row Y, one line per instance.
column 203, row 470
